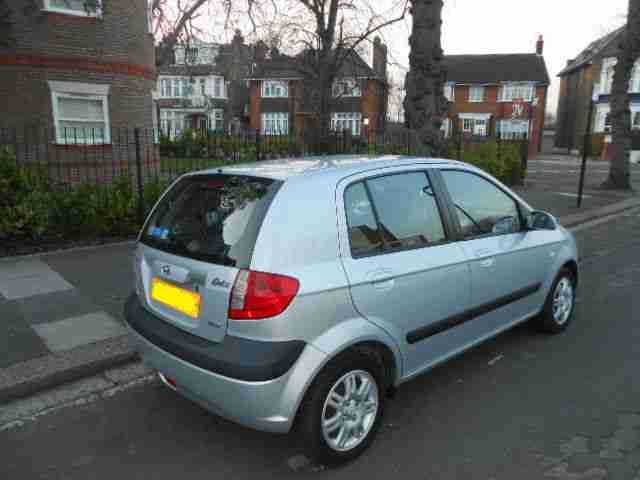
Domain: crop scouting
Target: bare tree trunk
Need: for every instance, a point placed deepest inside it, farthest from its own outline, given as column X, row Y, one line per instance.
column 425, row 104
column 619, row 172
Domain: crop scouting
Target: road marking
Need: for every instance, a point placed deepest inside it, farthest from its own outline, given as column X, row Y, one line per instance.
column 495, row 360
column 572, row 195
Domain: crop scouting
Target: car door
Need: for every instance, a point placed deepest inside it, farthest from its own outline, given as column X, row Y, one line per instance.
column 405, row 273
column 507, row 264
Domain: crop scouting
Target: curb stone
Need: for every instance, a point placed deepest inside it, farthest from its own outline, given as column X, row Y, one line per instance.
column 30, row 377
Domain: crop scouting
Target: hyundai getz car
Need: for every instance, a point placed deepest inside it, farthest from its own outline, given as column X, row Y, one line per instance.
column 296, row 295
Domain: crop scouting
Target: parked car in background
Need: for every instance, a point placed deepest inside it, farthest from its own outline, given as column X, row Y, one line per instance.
column 295, row 295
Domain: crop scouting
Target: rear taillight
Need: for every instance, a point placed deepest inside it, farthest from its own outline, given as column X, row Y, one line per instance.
column 258, row 295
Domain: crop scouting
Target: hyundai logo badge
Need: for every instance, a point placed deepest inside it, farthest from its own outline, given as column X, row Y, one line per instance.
column 166, row 270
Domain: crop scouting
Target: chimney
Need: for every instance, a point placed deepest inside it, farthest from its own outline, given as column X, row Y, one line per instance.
column 380, row 58
column 540, row 45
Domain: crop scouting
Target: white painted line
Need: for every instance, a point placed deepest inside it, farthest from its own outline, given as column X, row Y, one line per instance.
column 73, row 332
column 572, row 195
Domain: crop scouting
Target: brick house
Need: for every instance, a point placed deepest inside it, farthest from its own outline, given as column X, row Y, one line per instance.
column 77, row 72
column 204, row 87
column 279, row 95
column 592, row 71
column 501, row 95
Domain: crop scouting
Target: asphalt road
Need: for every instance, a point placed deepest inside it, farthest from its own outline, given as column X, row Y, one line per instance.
column 524, row 406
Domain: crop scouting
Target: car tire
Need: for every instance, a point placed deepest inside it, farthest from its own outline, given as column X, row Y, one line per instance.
column 559, row 308
column 354, row 416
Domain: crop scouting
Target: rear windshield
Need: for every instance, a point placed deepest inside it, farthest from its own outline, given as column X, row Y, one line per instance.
column 213, row 218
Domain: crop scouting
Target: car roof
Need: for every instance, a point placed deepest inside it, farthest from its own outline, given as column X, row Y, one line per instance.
column 337, row 166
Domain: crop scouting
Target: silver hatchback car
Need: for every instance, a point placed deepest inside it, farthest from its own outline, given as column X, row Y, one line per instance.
column 296, row 295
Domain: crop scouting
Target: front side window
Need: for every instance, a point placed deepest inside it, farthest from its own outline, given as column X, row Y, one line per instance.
column 81, row 119
column 481, row 207
column 275, row 89
column 84, row 8
column 275, row 123
column 349, row 122
column 476, row 93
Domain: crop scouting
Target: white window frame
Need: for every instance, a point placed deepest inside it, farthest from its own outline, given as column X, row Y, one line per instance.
column 476, row 94
column 219, row 82
column 506, row 130
column 217, row 120
column 347, row 121
column 179, row 122
column 275, row 89
column 508, row 91
column 446, row 127
column 275, row 123
column 450, row 91
column 606, row 75
column 346, row 87
column 84, row 91
column 603, row 110
column 48, row 7
column 634, row 82
column 475, row 123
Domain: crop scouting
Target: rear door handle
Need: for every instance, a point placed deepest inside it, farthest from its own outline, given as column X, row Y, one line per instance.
column 485, row 252
column 380, row 280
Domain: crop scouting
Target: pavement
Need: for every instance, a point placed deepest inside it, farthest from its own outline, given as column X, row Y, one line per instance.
column 61, row 313
column 523, row 406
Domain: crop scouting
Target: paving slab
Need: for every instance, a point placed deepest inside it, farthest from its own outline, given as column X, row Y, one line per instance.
column 73, row 332
column 51, row 307
column 18, row 342
column 28, row 286
column 11, row 269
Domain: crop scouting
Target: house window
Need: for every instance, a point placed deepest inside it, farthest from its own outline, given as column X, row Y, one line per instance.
column 218, row 120
column 203, row 85
column 634, row 83
column 635, row 122
column 475, row 125
column 512, row 91
column 275, row 89
column 476, row 94
column 275, row 123
column 513, row 129
column 83, row 8
column 173, row 122
column 346, row 87
column 450, row 91
column 607, row 122
column 81, row 119
column 190, row 55
column 218, row 87
column 165, row 87
column 349, row 122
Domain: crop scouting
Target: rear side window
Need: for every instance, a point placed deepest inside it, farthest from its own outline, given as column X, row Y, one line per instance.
column 213, row 218
column 404, row 214
column 364, row 236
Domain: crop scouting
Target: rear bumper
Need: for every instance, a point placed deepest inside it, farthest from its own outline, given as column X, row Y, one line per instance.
column 267, row 405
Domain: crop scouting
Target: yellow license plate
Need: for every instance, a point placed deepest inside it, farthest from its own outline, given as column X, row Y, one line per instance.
column 179, row 299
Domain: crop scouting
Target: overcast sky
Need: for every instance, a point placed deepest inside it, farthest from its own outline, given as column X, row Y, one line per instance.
column 513, row 26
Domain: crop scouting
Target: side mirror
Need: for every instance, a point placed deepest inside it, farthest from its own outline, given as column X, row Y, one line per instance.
column 541, row 221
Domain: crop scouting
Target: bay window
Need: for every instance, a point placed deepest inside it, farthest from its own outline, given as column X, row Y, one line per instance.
column 275, row 123
column 275, row 89
column 511, row 91
column 350, row 122
column 513, row 129
column 80, row 113
column 475, row 123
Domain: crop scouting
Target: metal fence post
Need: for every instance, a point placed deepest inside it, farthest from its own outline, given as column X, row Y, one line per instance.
column 139, row 175
column 257, row 145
